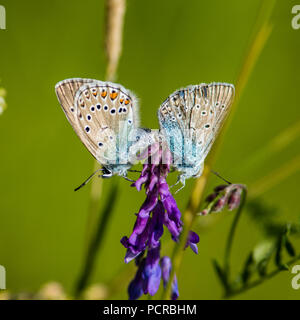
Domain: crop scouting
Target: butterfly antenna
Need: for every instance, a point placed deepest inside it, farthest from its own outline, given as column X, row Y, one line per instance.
column 219, row 176
column 88, row 179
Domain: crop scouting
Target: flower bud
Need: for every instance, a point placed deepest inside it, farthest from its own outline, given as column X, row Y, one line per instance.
column 219, row 205
column 211, row 197
column 234, row 199
column 220, row 187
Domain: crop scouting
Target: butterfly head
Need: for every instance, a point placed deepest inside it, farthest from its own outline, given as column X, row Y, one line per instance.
column 106, row 173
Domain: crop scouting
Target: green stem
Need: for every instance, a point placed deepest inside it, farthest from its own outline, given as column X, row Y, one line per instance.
column 258, row 282
column 115, row 12
column 232, row 233
column 96, row 242
column 261, row 34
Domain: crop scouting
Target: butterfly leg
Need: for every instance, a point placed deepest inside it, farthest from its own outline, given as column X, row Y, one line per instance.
column 176, row 183
column 181, row 179
column 129, row 170
column 126, row 178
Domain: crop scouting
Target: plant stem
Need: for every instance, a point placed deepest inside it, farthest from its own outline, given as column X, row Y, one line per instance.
column 2, row 100
column 275, row 145
column 96, row 241
column 275, row 177
column 188, row 219
column 261, row 33
column 115, row 12
column 259, row 281
column 231, row 235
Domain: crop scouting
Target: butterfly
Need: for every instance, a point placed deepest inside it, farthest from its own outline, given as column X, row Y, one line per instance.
column 104, row 115
column 190, row 119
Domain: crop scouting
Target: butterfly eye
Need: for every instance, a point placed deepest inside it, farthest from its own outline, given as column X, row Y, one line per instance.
column 113, row 111
column 179, row 115
column 204, row 113
column 217, row 104
column 105, row 108
column 124, row 109
column 129, row 121
column 92, row 108
column 223, row 106
column 87, row 129
column 120, row 110
column 173, row 119
column 72, row 109
column 207, row 126
column 89, row 117
column 98, row 106
column 100, row 144
column 198, row 106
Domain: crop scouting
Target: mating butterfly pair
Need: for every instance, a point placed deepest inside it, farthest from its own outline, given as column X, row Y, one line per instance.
column 105, row 117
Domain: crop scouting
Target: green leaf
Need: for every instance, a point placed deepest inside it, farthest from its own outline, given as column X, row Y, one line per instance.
column 220, row 273
column 248, row 268
column 289, row 247
column 278, row 257
column 262, row 267
column 284, row 267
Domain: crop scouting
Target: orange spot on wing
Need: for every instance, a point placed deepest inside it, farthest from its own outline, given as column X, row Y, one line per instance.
column 127, row 101
column 121, row 100
column 113, row 95
column 103, row 94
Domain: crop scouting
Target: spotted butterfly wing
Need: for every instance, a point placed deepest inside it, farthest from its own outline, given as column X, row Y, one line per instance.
column 104, row 116
column 65, row 91
column 190, row 120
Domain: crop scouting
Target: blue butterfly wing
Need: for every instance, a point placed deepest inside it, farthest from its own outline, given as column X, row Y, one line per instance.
column 190, row 119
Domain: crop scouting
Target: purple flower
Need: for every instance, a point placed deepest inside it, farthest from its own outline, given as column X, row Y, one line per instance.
column 224, row 195
column 158, row 210
column 152, row 271
column 135, row 288
column 166, row 267
column 192, row 241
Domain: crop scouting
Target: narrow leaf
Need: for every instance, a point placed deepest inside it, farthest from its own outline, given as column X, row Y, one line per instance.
column 247, row 271
column 289, row 247
column 262, row 267
column 220, row 273
column 278, row 257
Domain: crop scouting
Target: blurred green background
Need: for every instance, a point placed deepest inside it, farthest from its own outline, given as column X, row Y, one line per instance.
column 167, row 44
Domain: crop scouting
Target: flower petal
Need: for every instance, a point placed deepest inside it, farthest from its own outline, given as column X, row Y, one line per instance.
column 152, row 271
column 166, row 266
column 192, row 241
